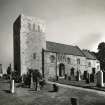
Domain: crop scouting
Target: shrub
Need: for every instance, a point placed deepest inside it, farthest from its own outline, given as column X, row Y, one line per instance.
column 42, row 83
column 17, row 78
column 27, row 79
column 69, row 78
column 5, row 76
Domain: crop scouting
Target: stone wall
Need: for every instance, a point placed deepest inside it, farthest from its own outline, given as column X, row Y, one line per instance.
column 93, row 64
column 51, row 69
column 31, row 39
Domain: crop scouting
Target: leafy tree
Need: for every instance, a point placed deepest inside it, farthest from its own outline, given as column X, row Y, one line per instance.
column 101, row 55
column 9, row 70
column 36, row 77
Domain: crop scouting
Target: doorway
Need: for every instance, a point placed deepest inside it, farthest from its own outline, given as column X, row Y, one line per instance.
column 61, row 69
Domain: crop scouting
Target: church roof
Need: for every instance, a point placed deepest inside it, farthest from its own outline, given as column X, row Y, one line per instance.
column 89, row 55
column 63, row 48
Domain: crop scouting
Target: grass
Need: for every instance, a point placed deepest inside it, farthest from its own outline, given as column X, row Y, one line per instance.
column 81, row 83
column 27, row 96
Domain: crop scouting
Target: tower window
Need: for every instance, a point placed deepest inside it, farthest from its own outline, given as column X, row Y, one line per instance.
column 89, row 64
column 29, row 26
column 33, row 27
column 78, row 61
column 68, row 60
column 52, row 58
column 34, row 55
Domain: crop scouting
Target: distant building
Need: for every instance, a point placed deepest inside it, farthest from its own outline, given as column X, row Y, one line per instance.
column 92, row 64
column 31, row 50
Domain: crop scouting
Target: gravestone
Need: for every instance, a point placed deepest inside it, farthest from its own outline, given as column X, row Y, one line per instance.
column 55, row 88
column 100, row 79
column 104, row 76
column 65, row 76
column 38, row 87
column 88, row 78
column 32, row 83
column 92, row 77
column 74, row 101
column 12, row 87
column 85, row 75
column 78, row 76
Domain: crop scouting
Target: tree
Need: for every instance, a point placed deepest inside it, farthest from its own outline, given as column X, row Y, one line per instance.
column 9, row 70
column 36, row 77
column 101, row 55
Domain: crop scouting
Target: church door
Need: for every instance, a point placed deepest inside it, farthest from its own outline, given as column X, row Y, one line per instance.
column 61, row 69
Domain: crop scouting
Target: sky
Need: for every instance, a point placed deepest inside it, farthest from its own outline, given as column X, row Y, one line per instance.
column 72, row 22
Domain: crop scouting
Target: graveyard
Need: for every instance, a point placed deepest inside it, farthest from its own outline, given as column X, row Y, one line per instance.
column 28, row 96
column 90, row 81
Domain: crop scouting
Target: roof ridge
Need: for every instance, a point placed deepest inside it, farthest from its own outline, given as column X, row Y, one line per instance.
column 61, row 43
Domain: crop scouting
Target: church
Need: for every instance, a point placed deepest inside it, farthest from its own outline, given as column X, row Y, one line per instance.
column 31, row 50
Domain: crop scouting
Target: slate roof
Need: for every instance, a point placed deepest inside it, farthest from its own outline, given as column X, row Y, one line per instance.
column 89, row 55
column 63, row 48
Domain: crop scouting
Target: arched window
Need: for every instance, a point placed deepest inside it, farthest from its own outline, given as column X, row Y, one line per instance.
column 29, row 26
column 68, row 60
column 33, row 27
column 89, row 64
column 38, row 28
column 34, row 55
column 78, row 61
column 52, row 58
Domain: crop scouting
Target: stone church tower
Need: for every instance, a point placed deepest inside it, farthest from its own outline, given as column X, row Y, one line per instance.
column 29, row 41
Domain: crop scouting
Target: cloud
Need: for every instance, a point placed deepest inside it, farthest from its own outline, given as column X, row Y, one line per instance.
column 88, row 41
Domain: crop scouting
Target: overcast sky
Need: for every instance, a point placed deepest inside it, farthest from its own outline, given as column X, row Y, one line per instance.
column 76, row 22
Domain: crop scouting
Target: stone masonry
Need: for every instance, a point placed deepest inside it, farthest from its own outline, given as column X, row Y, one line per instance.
column 29, row 40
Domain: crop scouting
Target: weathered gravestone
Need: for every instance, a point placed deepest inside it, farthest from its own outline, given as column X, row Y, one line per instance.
column 92, row 77
column 12, row 87
column 104, row 76
column 74, row 101
column 100, row 79
column 85, row 75
column 32, row 83
column 78, row 76
column 88, row 78
column 55, row 88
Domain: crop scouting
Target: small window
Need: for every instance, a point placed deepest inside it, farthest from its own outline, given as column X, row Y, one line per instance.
column 89, row 64
column 38, row 28
column 34, row 55
column 68, row 60
column 29, row 26
column 52, row 58
column 78, row 61
column 33, row 27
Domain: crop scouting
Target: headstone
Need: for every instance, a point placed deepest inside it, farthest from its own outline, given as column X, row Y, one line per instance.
column 104, row 76
column 55, row 88
column 78, row 76
column 88, row 78
column 32, row 83
column 100, row 79
column 69, row 78
column 92, row 76
column 56, row 78
column 38, row 87
column 85, row 75
column 74, row 101
column 12, row 87
column 65, row 76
